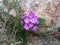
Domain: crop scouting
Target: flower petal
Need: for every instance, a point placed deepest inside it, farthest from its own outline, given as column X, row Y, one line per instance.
column 34, row 20
column 27, row 20
column 35, row 28
column 30, row 25
column 31, row 14
column 26, row 27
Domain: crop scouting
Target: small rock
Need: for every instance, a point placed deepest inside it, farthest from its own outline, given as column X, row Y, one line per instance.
column 5, row 9
column 0, row 0
column 12, row 12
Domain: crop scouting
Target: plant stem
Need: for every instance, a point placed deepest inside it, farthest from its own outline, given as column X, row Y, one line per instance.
column 25, row 38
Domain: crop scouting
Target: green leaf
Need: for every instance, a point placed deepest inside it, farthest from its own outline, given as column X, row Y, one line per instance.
column 5, row 2
column 42, row 22
column 0, row 39
column 14, row 4
column 12, row 44
column 58, row 29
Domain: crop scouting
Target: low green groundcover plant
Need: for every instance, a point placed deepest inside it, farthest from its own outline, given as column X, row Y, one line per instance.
column 20, row 26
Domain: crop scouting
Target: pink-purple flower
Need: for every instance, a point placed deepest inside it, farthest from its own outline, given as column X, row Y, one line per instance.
column 26, row 26
column 34, row 20
column 27, row 20
column 35, row 28
column 30, row 25
column 30, row 22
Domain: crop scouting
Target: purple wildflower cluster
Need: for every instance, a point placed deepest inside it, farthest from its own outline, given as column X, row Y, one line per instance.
column 30, row 22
